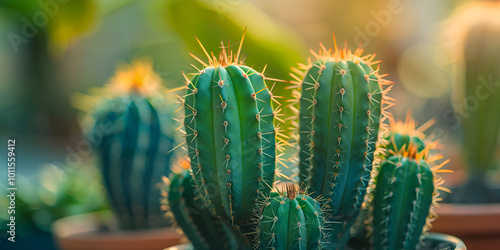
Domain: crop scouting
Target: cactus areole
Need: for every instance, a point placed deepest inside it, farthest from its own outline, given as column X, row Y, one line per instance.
column 230, row 134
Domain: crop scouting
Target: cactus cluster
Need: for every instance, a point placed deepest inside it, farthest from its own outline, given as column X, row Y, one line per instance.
column 345, row 151
column 131, row 124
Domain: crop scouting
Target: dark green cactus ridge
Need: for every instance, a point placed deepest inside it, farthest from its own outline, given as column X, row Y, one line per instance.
column 291, row 223
column 203, row 229
column 133, row 159
column 402, row 199
column 230, row 133
column 341, row 106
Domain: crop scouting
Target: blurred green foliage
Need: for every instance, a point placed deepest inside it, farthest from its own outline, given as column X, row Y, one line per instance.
column 52, row 194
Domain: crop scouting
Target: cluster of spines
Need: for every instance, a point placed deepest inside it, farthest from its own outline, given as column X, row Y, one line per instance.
column 181, row 202
column 341, row 93
column 406, row 149
column 131, row 151
column 231, row 134
column 291, row 220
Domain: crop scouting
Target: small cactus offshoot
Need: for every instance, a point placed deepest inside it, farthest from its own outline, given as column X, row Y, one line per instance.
column 291, row 220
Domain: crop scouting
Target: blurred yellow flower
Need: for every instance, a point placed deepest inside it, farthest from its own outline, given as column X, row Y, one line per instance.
column 138, row 77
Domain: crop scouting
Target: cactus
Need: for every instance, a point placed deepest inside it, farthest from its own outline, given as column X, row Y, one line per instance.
column 402, row 199
column 342, row 105
column 231, row 136
column 482, row 68
column 131, row 123
column 203, row 229
column 404, row 190
column 401, row 137
column 291, row 221
column 476, row 97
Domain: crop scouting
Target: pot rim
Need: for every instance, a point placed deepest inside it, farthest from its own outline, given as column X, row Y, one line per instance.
column 459, row 244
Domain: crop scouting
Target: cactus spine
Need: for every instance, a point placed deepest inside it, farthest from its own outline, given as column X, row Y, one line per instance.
column 133, row 124
column 203, row 229
column 230, row 133
column 342, row 105
column 291, row 221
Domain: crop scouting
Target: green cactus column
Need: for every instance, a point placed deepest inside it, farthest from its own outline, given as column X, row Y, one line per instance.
column 402, row 137
column 341, row 107
column 203, row 229
column 405, row 187
column 291, row 221
column 230, row 133
column 131, row 137
column 402, row 199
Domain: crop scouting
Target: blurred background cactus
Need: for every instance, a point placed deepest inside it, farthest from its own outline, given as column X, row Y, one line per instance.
column 475, row 50
column 132, row 134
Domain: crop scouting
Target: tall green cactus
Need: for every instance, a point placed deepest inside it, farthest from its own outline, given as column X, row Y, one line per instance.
column 341, row 107
column 291, row 221
column 130, row 137
column 231, row 137
column 203, row 229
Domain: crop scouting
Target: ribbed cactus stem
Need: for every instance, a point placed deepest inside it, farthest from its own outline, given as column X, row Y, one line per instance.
column 341, row 107
column 230, row 133
column 203, row 229
column 405, row 187
column 402, row 199
column 402, row 137
column 291, row 221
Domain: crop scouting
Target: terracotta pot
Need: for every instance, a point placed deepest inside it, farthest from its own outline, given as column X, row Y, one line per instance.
column 99, row 231
column 478, row 225
column 435, row 241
